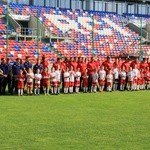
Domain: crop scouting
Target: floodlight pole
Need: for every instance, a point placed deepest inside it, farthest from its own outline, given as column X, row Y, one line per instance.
column 92, row 34
column 6, row 32
column 141, row 51
column 38, row 52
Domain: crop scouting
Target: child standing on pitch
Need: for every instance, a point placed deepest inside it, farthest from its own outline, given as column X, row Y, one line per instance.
column 102, row 77
column 21, row 79
column 29, row 77
column 45, row 80
column 77, row 80
column 37, row 83
column 122, row 79
column 53, row 81
column 94, row 81
column 71, row 79
column 85, row 81
column 66, row 80
column 109, row 80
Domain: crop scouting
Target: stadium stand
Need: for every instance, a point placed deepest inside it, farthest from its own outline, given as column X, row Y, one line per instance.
column 110, row 36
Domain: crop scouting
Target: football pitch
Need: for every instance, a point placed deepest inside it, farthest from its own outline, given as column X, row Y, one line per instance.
column 101, row 121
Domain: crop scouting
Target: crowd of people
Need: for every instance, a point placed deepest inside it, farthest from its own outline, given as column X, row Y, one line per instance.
column 73, row 75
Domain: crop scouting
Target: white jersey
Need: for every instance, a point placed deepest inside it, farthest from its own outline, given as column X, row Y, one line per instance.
column 109, row 78
column 66, row 76
column 30, row 77
column 102, row 74
column 95, row 77
column 53, row 77
column 136, row 73
column 130, row 75
column 58, row 75
column 37, row 78
column 77, row 76
column 116, row 73
column 71, row 76
column 123, row 75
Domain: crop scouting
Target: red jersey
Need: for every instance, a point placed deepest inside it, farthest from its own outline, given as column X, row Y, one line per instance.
column 56, row 64
column 143, row 65
column 82, row 66
column 74, row 65
column 126, row 65
column 21, row 79
column 45, row 64
column 91, row 67
column 135, row 63
column 108, row 65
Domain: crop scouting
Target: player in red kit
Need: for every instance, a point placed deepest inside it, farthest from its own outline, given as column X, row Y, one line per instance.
column 21, row 79
column 45, row 81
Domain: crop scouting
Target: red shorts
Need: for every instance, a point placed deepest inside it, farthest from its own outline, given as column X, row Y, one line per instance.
column 85, row 83
column 20, row 84
column 58, row 83
column 29, row 84
column 102, row 82
column 94, row 83
column 122, row 81
column 66, row 84
column 53, row 83
column 77, row 83
column 45, row 84
column 71, row 84
column 109, row 83
column 134, row 81
column 130, row 82
column 37, row 85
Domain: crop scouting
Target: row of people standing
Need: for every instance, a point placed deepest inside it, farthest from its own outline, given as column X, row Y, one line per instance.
column 10, row 72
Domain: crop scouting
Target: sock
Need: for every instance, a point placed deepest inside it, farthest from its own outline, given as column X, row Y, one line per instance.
column 58, row 90
column 52, row 90
column 35, row 91
column 47, row 91
column 18, row 91
column 38, row 91
column 55, row 90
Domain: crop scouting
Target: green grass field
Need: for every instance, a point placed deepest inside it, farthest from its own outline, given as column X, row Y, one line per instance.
column 101, row 121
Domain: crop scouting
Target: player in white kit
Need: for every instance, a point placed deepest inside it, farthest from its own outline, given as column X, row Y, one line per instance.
column 71, row 79
column 37, row 83
column 29, row 77
column 123, row 76
column 53, row 81
column 94, row 81
column 66, row 80
column 102, row 78
column 116, row 78
column 130, row 76
column 109, row 80
column 77, row 80
column 58, row 78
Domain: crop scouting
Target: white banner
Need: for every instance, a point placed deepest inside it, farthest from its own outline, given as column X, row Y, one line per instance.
column 21, row 17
